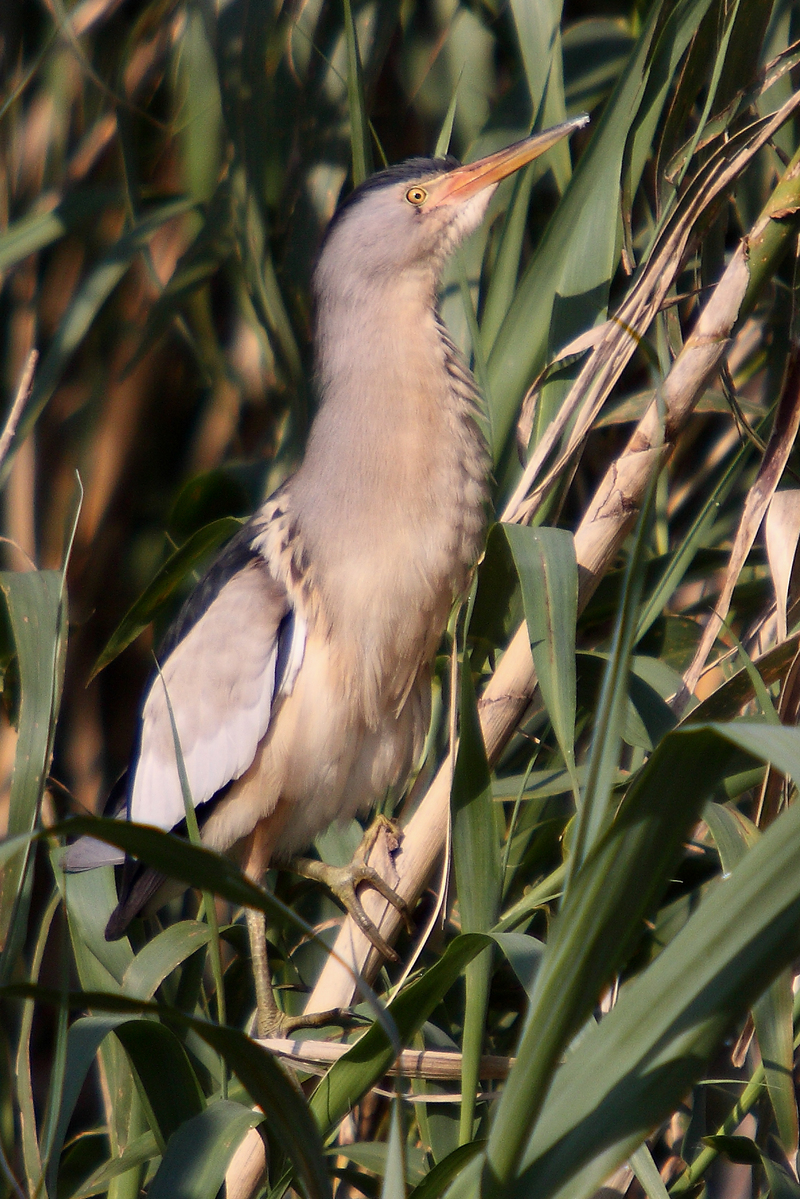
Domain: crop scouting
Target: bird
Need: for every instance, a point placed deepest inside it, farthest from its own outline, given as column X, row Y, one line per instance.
column 297, row 675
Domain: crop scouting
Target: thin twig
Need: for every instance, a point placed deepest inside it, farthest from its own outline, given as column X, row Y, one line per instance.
column 20, row 400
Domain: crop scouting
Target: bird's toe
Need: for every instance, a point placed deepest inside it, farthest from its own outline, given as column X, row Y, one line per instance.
column 273, row 1024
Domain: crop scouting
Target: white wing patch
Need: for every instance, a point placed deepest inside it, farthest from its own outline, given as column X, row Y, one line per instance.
column 221, row 682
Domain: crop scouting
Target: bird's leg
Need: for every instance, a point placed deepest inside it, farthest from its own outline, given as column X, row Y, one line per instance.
column 342, row 881
column 270, row 1020
column 267, row 1013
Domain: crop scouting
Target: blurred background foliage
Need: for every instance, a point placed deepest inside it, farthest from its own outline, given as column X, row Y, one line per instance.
column 167, row 169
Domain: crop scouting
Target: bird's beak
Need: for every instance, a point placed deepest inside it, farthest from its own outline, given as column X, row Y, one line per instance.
column 468, row 180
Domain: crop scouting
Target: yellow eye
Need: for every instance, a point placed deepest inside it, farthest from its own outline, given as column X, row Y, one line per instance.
column 416, row 195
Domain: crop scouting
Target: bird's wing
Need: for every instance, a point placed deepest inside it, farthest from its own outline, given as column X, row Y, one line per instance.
column 236, row 647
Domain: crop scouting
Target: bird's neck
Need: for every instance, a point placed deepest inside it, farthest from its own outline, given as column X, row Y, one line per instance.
column 389, row 498
column 378, row 358
column 384, row 424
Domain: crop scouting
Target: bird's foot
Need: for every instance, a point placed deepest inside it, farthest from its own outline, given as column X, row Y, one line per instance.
column 343, row 881
column 272, row 1022
column 269, row 1020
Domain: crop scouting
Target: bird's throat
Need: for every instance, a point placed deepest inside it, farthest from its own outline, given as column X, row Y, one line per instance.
column 386, row 403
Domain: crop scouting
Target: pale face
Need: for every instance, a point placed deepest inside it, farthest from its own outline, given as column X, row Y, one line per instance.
column 398, row 221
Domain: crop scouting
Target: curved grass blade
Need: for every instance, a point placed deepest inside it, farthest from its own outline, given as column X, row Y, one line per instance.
column 41, row 229
column 156, row 960
column 548, row 575
column 89, row 900
column 34, row 1152
column 371, row 1056
column 373, row 1156
column 636, row 1064
column 209, row 906
column 190, row 864
column 359, row 123
column 582, row 234
column 772, row 1013
column 36, row 612
column 565, row 287
column 476, row 860
column 633, row 1067
column 137, row 1153
column 446, row 132
column 167, row 1084
column 609, row 721
column 83, row 1041
column 536, row 26
column 601, row 920
column 646, row 1171
column 680, row 560
column 394, row 1177
column 444, row 1172
column 201, row 868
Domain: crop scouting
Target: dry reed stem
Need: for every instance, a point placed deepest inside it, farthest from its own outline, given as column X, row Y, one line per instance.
column 442, row 1064
column 247, row 1168
column 782, row 535
column 617, row 1185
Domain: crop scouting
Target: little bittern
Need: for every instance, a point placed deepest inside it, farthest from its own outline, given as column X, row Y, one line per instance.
column 299, row 669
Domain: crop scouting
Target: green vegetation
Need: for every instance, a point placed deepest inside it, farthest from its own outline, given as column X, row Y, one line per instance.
column 624, row 908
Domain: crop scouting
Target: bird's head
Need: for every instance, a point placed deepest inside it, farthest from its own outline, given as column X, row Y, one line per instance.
column 412, row 216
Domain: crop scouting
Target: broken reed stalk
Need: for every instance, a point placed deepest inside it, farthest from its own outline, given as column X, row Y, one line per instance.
column 597, row 541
